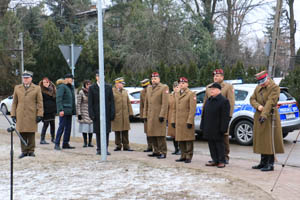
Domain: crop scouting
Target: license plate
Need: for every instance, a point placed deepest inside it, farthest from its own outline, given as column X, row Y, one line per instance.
column 290, row 116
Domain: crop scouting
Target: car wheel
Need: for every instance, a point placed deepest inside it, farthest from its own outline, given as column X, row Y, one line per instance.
column 284, row 135
column 243, row 132
column 4, row 109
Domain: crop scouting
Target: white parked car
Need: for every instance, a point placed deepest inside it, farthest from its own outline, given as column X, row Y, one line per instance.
column 5, row 104
column 241, row 124
column 134, row 96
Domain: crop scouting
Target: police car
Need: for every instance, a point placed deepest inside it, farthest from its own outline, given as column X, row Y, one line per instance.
column 241, row 124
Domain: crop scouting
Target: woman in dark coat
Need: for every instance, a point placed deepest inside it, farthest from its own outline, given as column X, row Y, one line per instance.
column 49, row 100
column 214, row 124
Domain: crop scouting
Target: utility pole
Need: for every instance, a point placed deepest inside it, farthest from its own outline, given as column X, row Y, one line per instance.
column 275, row 37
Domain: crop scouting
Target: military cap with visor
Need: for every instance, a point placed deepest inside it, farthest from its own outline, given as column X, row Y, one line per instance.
column 145, row 82
column 120, row 80
column 262, row 77
column 27, row 74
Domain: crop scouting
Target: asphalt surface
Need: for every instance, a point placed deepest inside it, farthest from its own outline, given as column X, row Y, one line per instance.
column 136, row 135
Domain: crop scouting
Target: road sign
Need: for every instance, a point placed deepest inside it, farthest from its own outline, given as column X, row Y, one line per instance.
column 66, row 50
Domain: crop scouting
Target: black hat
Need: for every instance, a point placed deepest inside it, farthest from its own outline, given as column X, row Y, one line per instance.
column 69, row 76
column 97, row 72
column 215, row 85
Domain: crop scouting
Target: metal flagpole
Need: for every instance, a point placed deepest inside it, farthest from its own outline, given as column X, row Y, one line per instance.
column 102, row 83
column 73, row 73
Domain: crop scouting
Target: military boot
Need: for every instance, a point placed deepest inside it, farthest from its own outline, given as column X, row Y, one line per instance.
column 84, row 139
column 263, row 162
column 270, row 164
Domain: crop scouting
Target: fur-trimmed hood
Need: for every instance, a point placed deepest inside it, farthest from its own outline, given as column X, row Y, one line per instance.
column 51, row 91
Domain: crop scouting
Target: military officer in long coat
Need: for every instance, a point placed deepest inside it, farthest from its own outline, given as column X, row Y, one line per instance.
column 123, row 111
column 171, row 107
column 183, row 120
column 156, row 112
column 145, row 83
column 266, row 142
column 27, row 112
column 228, row 92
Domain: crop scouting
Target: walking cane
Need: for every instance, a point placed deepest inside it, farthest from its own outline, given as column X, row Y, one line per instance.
column 283, row 165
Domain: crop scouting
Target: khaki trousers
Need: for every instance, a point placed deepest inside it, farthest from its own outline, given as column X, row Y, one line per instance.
column 121, row 139
column 187, row 149
column 29, row 137
column 159, row 145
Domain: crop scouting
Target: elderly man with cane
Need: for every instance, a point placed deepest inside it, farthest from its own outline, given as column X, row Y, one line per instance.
column 267, row 140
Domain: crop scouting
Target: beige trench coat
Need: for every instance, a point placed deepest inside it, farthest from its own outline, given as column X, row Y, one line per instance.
column 171, row 107
column 184, row 113
column 156, row 105
column 123, row 110
column 262, row 133
column 142, row 105
column 26, row 106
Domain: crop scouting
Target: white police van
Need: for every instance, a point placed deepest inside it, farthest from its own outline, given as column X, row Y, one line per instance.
column 241, row 124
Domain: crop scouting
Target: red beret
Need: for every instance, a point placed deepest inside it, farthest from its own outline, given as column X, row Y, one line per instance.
column 155, row 74
column 183, row 79
column 218, row 71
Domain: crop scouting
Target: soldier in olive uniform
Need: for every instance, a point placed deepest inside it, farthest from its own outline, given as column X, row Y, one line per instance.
column 27, row 112
column 145, row 83
column 265, row 141
column 228, row 92
column 183, row 120
column 123, row 111
column 171, row 107
column 156, row 112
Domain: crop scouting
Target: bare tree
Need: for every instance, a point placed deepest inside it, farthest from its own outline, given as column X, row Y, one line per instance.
column 292, row 26
column 3, row 7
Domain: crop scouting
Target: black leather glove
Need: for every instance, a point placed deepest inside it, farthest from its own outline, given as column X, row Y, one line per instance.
column 261, row 120
column 189, row 126
column 79, row 117
column 161, row 119
column 14, row 119
column 173, row 125
column 130, row 117
column 38, row 119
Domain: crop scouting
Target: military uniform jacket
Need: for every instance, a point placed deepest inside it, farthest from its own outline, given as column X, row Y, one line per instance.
column 184, row 113
column 262, row 137
column 142, row 105
column 122, row 110
column 156, row 105
column 227, row 91
column 27, row 105
column 171, row 107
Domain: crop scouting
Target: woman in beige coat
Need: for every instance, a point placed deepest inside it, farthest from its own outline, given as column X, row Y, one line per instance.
column 171, row 107
column 85, row 123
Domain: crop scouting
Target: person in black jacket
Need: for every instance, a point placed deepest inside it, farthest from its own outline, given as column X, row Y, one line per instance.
column 214, row 124
column 49, row 101
column 94, row 110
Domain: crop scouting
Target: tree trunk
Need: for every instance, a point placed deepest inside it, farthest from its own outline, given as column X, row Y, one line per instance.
column 3, row 7
column 292, row 34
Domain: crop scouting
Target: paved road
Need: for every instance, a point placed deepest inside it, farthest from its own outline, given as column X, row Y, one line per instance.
column 200, row 146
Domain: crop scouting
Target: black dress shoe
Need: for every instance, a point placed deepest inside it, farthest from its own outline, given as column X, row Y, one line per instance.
column 31, row 154
column 148, row 150
column 56, row 147
column 162, row 156
column 98, row 153
column 108, row 153
column 128, row 150
column 117, row 149
column 90, row 145
column 180, row 160
column 177, row 152
column 67, row 146
column 85, row 145
column 154, row 155
column 43, row 142
column 259, row 166
column 267, row 168
column 22, row 155
column 188, row 161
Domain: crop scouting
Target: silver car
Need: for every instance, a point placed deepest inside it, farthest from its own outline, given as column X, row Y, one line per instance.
column 241, row 124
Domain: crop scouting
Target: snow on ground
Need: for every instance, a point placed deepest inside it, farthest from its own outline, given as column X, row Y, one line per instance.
column 79, row 174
